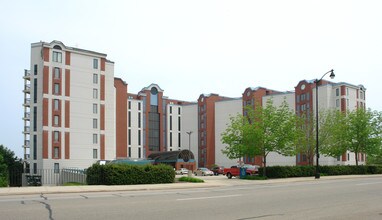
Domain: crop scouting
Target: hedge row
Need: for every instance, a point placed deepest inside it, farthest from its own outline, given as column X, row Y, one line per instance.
column 304, row 171
column 125, row 174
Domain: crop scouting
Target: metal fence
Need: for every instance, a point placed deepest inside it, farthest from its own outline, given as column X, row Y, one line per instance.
column 53, row 177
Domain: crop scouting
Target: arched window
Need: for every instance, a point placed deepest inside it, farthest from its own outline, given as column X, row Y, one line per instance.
column 57, row 47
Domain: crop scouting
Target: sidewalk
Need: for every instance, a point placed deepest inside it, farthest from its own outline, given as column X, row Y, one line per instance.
column 213, row 182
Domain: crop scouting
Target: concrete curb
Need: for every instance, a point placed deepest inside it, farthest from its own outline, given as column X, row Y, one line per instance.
column 209, row 183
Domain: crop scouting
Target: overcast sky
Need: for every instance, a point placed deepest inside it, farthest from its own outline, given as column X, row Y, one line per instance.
column 194, row 47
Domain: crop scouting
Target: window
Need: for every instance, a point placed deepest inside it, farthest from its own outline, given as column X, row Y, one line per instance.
column 179, row 110
column 95, row 93
column 348, row 156
column 129, row 151
column 35, row 69
column 347, row 102
column 95, row 123
column 95, row 138
column 129, row 105
column 170, row 123
column 95, row 78
column 139, row 120
column 56, row 120
column 179, row 144
column 139, row 137
column 170, row 139
column 154, row 129
column 95, row 63
column 303, row 107
column 337, row 103
column 57, row 57
column 347, row 91
column 56, row 104
column 35, row 118
column 170, row 109
column 56, row 73
column 179, row 123
column 337, row 92
column 35, row 168
column 56, row 168
column 56, row 153
column 139, row 152
column 129, row 136
column 56, row 135
column 56, row 89
column 95, row 108
column 35, row 91
column 129, row 118
column 302, row 97
column 34, row 147
column 139, row 106
column 361, row 94
column 95, row 153
column 338, row 158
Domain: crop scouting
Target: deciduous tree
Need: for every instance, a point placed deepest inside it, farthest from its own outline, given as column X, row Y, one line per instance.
column 261, row 131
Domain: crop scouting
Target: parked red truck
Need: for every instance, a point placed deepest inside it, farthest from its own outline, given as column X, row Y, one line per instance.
column 235, row 170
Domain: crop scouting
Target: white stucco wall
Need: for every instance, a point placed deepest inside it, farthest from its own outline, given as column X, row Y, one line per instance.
column 134, row 128
column 223, row 111
column 172, row 111
column 190, row 123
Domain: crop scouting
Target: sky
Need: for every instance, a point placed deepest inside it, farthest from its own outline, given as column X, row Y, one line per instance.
column 194, row 47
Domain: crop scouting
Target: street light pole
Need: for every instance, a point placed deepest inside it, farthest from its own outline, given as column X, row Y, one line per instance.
column 189, row 150
column 317, row 175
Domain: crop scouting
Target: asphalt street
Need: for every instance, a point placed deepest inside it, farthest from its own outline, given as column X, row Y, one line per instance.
column 359, row 198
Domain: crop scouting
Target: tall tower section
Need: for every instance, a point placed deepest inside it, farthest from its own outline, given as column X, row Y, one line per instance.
column 69, row 107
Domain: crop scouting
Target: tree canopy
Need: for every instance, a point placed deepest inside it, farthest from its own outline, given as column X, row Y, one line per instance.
column 261, row 130
column 358, row 131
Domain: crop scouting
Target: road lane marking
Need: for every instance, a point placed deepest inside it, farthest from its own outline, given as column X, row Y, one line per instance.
column 210, row 197
column 364, row 184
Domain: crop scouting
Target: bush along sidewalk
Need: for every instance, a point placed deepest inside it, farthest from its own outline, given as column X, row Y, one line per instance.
column 125, row 174
column 190, row 179
column 305, row 171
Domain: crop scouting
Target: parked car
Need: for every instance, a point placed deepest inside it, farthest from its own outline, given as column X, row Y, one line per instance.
column 181, row 171
column 253, row 169
column 235, row 170
column 218, row 170
column 202, row 171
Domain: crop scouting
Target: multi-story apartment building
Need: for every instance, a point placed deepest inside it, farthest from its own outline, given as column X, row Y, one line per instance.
column 77, row 112
column 69, row 101
column 149, row 122
column 206, row 128
column 341, row 96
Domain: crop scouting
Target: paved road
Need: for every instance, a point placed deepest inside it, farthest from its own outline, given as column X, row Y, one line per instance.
column 359, row 198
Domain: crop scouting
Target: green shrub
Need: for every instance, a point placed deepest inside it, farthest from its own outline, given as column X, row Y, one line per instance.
column 190, row 179
column 3, row 181
column 126, row 174
column 304, row 171
column 73, row 184
column 249, row 177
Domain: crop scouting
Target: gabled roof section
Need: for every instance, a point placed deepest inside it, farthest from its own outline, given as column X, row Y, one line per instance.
column 74, row 49
column 151, row 86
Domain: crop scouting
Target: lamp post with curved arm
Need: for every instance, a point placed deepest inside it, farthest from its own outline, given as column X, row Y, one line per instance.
column 189, row 151
column 317, row 175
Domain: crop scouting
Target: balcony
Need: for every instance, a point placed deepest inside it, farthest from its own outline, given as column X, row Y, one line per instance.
column 27, row 156
column 27, row 102
column 27, row 143
column 27, row 74
column 27, row 130
column 27, row 88
column 27, row 116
